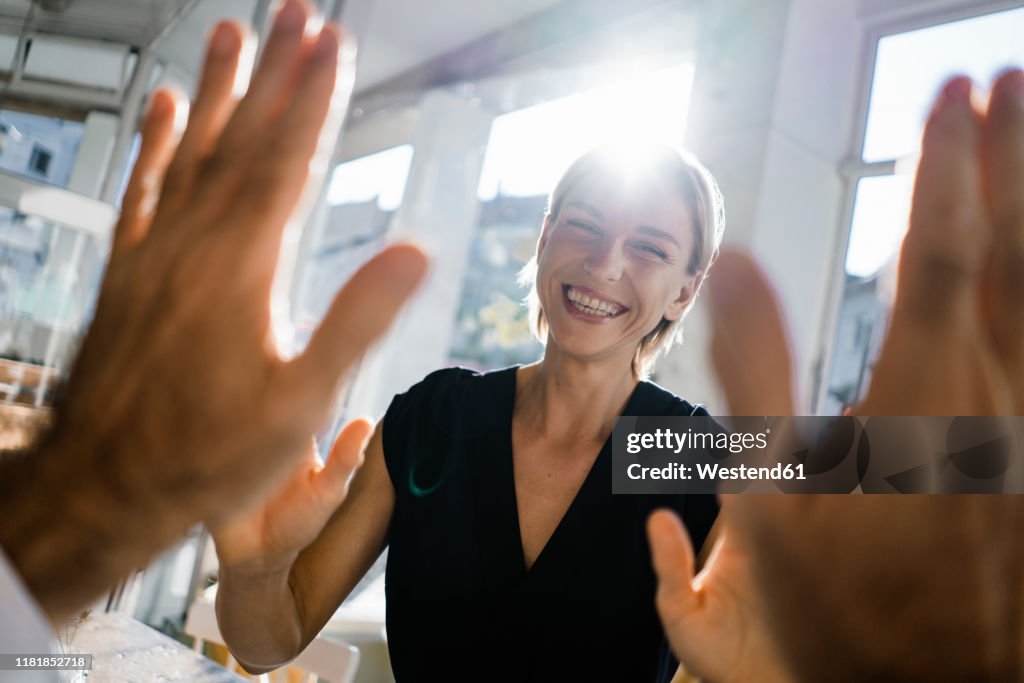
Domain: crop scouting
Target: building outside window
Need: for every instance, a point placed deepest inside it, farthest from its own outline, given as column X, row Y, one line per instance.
column 39, row 147
column 49, row 272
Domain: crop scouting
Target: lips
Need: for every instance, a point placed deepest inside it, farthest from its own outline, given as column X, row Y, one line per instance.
column 585, row 302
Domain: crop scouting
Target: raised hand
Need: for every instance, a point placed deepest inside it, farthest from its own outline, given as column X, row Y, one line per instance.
column 179, row 406
column 714, row 621
column 272, row 534
column 896, row 587
column 185, row 305
column 956, row 341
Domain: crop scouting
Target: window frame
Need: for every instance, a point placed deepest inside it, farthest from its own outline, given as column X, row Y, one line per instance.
column 853, row 168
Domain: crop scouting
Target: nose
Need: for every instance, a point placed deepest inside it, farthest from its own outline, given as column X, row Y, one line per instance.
column 605, row 261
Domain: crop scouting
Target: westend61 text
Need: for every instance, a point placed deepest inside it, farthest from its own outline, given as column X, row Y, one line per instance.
column 715, row 472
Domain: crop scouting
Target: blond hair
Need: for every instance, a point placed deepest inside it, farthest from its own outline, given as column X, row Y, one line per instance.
column 707, row 214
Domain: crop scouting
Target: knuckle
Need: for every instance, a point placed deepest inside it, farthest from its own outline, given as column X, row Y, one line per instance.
column 268, row 182
column 186, row 283
column 224, row 159
column 945, row 271
column 940, row 283
column 175, row 179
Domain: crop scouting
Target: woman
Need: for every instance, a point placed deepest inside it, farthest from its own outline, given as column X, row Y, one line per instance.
column 509, row 558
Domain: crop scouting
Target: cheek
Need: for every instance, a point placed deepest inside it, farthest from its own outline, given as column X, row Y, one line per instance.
column 659, row 288
column 547, row 286
column 565, row 242
column 557, row 253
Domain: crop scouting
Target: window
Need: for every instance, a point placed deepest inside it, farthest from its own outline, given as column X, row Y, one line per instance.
column 362, row 196
column 911, row 66
column 909, row 69
column 39, row 147
column 40, row 160
column 49, row 278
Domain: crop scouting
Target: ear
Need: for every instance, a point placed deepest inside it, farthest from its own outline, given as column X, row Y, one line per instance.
column 545, row 232
column 686, row 294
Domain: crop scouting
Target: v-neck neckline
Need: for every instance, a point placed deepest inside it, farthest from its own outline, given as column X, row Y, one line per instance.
column 581, row 493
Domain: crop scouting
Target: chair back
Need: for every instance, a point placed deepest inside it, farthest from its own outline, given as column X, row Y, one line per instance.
column 331, row 660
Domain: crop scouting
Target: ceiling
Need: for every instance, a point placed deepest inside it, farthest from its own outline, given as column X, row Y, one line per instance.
column 123, row 21
column 404, row 33
column 399, row 34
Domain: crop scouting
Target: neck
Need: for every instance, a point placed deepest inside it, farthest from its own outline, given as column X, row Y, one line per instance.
column 563, row 398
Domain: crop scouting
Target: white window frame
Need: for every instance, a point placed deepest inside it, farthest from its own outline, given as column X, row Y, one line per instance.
column 854, row 168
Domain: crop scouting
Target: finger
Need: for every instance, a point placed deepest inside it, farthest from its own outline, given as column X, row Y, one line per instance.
column 1003, row 173
column 141, row 195
column 673, row 559
column 359, row 314
column 749, row 350
column 214, row 102
column 944, row 251
column 345, row 458
column 279, row 173
column 271, row 82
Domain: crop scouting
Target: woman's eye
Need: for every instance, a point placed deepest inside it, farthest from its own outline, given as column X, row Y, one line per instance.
column 583, row 226
column 652, row 250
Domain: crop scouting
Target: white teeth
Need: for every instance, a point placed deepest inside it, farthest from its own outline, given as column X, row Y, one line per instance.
column 591, row 305
column 586, row 309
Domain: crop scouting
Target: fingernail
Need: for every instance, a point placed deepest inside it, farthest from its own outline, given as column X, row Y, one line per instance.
column 327, row 43
column 158, row 104
column 1013, row 83
column 957, row 91
column 224, row 40
column 291, row 18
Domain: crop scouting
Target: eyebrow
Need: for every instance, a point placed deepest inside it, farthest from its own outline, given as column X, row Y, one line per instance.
column 645, row 229
column 655, row 232
column 586, row 207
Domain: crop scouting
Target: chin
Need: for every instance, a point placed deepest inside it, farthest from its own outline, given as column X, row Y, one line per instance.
column 589, row 347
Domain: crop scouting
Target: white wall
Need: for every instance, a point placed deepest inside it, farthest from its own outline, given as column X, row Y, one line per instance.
column 779, row 97
column 800, row 213
column 773, row 113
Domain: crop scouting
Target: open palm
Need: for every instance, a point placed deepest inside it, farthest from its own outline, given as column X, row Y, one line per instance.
column 713, row 620
column 276, row 530
column 820, row 573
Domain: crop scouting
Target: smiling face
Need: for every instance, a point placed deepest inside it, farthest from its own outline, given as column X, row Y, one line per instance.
column 612, row 263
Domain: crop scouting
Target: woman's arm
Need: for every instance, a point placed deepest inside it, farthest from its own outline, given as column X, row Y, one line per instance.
column 327, row 571
column 270, row 605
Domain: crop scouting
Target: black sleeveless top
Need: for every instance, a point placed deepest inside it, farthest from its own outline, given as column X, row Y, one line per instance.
column 461, row 605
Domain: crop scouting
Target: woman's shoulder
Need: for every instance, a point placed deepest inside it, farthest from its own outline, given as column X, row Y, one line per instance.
column 458, row 383
column 457, row 400
column 655, row 399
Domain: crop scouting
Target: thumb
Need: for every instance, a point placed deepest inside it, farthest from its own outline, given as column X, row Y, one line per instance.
column 672, row 555
column 345, row 458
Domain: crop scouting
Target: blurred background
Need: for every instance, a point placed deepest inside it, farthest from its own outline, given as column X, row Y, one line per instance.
column 808, row 112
